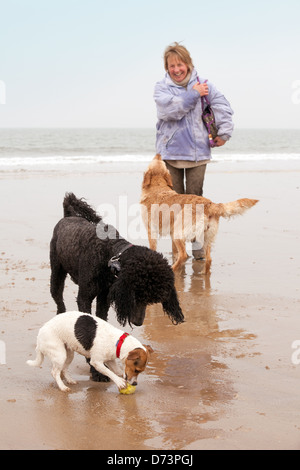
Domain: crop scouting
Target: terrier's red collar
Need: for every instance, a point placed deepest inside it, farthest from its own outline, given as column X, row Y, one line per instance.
column 120, row 342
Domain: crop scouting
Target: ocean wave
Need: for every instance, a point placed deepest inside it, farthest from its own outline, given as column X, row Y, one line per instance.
column 27, row 161
column 71, row 160
column 256, row 156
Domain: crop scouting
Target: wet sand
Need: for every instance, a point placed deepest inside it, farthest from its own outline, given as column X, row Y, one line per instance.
column 224, row 379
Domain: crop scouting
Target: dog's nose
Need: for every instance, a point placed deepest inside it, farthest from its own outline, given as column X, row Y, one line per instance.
column 134, row 383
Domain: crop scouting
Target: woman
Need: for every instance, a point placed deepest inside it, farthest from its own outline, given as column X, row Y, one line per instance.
column 182, row 139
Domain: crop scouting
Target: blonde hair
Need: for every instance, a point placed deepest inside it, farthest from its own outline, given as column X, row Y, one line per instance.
column 181, row 52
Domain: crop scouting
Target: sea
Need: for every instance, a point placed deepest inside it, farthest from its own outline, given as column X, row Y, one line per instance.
column 48, row 148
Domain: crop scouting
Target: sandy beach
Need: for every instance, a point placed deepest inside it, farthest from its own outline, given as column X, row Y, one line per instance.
column 227, row 378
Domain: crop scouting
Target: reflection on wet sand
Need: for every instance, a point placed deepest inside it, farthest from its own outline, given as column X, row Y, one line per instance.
column 191, row 377
column 92, row 417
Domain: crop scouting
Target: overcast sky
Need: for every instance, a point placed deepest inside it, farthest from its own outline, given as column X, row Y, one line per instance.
column 94, row 63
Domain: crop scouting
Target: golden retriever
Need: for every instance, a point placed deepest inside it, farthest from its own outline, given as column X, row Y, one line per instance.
column 186, row 217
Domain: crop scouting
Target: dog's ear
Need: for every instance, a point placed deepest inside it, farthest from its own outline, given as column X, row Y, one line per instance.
column 168, row 179
column 167, row 174
column 149, row 349
column 122, row 297
column 134, row 354
column 147, row 179
column 172, row 308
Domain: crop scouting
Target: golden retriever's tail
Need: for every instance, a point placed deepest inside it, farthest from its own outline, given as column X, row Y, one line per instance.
column 230, row 209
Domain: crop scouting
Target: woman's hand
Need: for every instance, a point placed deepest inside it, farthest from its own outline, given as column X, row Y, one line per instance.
column 219, row 142
column 202, row 88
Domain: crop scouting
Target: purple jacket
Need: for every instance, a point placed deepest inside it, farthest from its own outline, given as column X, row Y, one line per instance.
column 181, row 134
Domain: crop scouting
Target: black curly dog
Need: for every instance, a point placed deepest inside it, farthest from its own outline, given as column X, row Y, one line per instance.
column 107, row 267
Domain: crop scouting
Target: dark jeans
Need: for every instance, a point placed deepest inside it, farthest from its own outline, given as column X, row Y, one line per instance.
column 192, row 177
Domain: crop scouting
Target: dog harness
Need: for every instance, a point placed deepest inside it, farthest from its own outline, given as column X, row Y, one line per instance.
column 114, row 262
column 120, row 342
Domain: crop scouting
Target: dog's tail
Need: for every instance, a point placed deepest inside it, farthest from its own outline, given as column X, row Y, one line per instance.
column 230, row 209
column 74, row 207
column 38, row 360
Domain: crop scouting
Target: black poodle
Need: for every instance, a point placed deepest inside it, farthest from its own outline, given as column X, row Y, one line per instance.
column 107, row 267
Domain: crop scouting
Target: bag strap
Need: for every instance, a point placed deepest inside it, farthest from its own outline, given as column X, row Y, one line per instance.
column 203, row 98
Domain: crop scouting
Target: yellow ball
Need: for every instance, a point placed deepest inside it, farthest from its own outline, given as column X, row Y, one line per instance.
column 128, row 390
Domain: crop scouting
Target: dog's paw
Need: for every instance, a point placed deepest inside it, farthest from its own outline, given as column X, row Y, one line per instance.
column 65, row 389
column 121, row 383
column 68, row 378
column 70, row 381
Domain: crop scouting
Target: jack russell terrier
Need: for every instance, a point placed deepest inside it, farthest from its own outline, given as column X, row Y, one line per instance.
column 95, row 339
